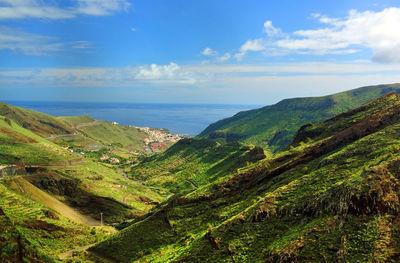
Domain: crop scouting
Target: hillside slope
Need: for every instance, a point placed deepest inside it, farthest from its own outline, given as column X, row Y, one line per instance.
column 333, row 197
column 18, row 143
column 82, row 132
column 274, row 126
column 25, row 188
column 31, row 232
column 104, row 133
column 191, row 163
column 42, row 124
column 83, row 183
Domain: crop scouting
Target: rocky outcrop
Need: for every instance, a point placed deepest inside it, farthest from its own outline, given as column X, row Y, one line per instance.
column 7, row 171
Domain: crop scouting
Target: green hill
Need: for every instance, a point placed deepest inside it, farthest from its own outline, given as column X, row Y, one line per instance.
column 37, row 122
column 31, row 232
column 191, row 163
column 106, row 133
column 274, row 126
column 81, row 132
column 82, row 182
column 333, row 196
column 18, row 143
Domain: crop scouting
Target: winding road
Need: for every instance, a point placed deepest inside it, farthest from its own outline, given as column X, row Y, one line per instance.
column 76, row 132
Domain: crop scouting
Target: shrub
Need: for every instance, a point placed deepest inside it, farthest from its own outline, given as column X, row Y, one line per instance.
column 8, row 249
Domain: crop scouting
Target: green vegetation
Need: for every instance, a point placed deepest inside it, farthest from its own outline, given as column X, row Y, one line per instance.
column 109, row 134
column 37, row 122
column 17, row 143
column 105, row 133
column 191, row 163
column 273, row 127
column 51, row 197
column 332, row 197
column 121, row 198
column 30, row 232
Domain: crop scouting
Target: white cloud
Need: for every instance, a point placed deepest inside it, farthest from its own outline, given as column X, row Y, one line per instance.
column 209, row 52
column 252, row 84
column 378, row 31
column 19, row 9
column 163, row 73
column 224, row 57
column 270, row 30
column 133, row 29
column 145, row 75
column 33, row 44
column 250, row 45
column 101, row 7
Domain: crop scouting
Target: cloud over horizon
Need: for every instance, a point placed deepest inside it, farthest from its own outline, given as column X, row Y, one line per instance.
column 377, row 31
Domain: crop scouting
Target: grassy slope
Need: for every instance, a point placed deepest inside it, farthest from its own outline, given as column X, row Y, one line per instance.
column 75, row 120
column 102, row 180
column 32, row 233
column 274, row 126
column 108, row 133
column 334, row 198
column 191, row 163
column 104, row 133
column 17, row 143
column 40, row 123
column 27, row 189
column 119, row 196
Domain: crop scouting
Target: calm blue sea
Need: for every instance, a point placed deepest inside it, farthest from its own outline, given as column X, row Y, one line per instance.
column 178, row 118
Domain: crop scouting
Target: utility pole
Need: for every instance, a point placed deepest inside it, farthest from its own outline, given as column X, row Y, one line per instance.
column 101, row 219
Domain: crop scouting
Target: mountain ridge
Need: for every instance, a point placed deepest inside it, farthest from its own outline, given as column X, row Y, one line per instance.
column 333, row 198
column 274, row 126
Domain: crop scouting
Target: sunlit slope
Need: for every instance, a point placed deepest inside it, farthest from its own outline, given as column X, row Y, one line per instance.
column 31, row 232
column 100, row 188
column 25, row 188
column 274, row 126
column 42, row 124
column 98, row 132
column 17, row 143
column 63, row 130
column 330, row 198
column 191, row 163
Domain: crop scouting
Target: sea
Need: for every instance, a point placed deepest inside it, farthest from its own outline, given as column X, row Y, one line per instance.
column 187, row 119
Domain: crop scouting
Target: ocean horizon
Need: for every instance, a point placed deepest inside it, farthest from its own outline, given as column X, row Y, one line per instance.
column 188, row 119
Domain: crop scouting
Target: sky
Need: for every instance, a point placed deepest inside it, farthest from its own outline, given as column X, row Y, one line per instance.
column 195, row 51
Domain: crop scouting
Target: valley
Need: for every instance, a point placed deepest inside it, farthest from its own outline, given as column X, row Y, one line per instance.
column 76, row 189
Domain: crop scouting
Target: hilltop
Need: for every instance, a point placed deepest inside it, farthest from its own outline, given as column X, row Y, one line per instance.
column 42, row 124
column 332, row 196
column 273, row 127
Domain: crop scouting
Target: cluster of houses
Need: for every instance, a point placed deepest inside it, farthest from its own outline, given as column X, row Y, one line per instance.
column 72, row 151
column 113, row 160
column 158, row 139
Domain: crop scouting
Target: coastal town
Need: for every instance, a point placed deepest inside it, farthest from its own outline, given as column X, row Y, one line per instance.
column 158, row 139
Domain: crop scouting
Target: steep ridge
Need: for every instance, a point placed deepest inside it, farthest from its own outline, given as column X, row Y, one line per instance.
column 31, row 232
column 99, row 188
column 81, row 132
column 27, row 189
column 330, row 197
column 273, row 127
column 191, row 163
column 42, row 124
column 20, row 144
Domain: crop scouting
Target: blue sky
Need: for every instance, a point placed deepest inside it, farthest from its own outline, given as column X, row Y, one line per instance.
column 186, row 51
